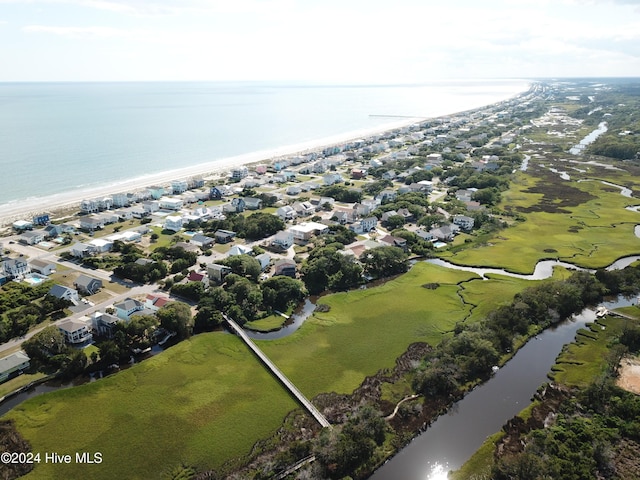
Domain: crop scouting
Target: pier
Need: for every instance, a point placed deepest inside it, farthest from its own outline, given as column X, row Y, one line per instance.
column 281, row 376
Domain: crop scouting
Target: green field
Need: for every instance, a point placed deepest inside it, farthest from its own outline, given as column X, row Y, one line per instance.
column 203, row 402
column 208, row 400
column 366, row 330
column 592, row 229
column 585, row 359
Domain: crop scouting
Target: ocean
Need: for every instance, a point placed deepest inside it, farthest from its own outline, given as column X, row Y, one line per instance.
column 62, row 137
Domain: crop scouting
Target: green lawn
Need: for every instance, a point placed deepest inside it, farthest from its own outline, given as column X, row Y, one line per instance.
column 203, row 402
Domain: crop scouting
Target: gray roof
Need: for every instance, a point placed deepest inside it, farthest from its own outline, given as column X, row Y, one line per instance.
column 128, row 304
column 85, row 280
column 59, row 290
column 12, row 361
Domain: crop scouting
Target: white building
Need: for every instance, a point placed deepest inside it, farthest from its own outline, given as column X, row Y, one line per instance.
column 173, row 223
column 169, row 203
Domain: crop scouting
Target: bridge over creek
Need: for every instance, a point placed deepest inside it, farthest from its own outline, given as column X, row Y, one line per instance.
column 320, row 418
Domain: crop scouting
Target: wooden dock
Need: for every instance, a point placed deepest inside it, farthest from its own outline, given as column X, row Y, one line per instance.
column 276, row 371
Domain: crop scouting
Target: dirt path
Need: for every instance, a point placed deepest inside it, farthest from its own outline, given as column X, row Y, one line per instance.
column 629, row 378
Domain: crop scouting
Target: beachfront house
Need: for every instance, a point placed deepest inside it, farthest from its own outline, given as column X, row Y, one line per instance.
column 239, row 173
column 156, row 192
column 120, row 200
column 89, row 206
column 179, row 186
column 22, row 225
column 13, row 365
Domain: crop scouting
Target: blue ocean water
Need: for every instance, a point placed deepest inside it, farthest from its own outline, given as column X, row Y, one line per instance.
column 56, row 137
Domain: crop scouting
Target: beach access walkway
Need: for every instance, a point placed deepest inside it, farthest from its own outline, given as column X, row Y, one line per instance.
column 320, row 418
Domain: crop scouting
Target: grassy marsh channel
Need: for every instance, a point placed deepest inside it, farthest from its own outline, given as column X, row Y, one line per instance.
column 205, row 408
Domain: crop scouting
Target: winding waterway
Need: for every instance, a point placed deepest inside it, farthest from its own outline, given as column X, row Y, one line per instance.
column 454, row 437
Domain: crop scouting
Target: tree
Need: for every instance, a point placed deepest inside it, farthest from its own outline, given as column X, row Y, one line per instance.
column 45, row 344
column 384, row 261
column 110, row 353
column 191, row 290
column 176, row 317
column 261, row 225
column 395, row 221
column 207, row 319
column 326, row 268
column 244, row 265
column 279, row 292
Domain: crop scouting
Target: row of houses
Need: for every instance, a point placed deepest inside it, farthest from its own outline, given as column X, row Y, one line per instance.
column 154, row 192
column 79, row 332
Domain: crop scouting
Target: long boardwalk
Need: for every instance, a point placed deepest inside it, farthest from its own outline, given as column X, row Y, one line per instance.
column 285, row 381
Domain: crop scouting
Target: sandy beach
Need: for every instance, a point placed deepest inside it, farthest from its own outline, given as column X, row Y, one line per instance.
column 53, row 204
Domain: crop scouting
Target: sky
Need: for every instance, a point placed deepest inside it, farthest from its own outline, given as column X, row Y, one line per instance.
column 324, row 41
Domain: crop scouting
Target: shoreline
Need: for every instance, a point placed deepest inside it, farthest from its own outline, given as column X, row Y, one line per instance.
column 56, row 203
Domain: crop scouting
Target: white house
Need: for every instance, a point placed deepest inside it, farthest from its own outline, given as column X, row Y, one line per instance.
column 76, row 332
column 13, row 267
column 42, row 267
column 179, row 186
column 264, row 259
column 173, row 223
column 15, row 363
column 128, row 307
column 170, row 203
column 32, row 237
column 239, row 173
column 64, row 293
column 304, row 231
column 239, row 250
column 286, row 212
column 464, row 222
column 283, row 240
column 101, row 245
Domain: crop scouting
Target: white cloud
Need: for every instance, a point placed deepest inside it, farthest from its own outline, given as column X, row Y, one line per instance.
column 81, row 32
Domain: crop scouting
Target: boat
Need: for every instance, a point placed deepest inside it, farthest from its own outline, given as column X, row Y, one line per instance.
column 601, row 311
